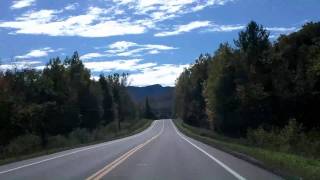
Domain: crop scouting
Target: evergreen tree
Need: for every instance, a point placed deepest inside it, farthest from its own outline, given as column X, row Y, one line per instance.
column 148, row 114
column 107, row 103
column 59, row 100
column 256, row 83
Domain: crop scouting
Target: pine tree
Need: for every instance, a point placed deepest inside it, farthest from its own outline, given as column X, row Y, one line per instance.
column 148, row 114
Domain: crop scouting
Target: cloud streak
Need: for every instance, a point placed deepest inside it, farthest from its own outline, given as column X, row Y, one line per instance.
column 206, row 25
column 128, row 49
column 164, row 74
column 225, row 28
column 163, row 10
column 71, row 7
column 184, row 28
column 125, row 48
column 91, row 24
column 282, row 29
column 118, row 65
column 19, row 65
column 275, row 32
column 89, row 56
column 18, row 4
column 140, row 73
column 119, row 17
column 37, row 53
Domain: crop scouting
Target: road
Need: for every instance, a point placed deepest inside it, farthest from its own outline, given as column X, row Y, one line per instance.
column 159, row 153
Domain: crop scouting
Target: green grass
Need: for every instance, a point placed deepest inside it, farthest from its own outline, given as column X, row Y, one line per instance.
column 128, row 129
column 288, row 166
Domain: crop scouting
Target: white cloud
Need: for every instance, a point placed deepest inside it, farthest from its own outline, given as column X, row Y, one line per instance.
column 18, row 4
column 185, row 28
column 206, row 25
column 122, row 17
column 92, row 24
column 154, row 52
column 165, row 75
column 282, row 29
column 19, row 65
column 40, row 67
column 71, row 7
column 224, row 28
column 117, row 65
column 134, row 52
column 277, row 31
column 42, row 16
column 128, row 49
column 201, row 6
column 167, row 9
column 122, row 45
column 157, row 47
column 92, row 55
column 36, row 53
column 143, row 74
column 27, row 62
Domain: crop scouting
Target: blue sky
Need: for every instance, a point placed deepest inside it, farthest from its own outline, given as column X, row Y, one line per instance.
column 152, row 40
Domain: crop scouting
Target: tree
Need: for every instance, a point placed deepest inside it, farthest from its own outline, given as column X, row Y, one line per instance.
column 190, row 102
column 148, row 114
column 217, row 66
column 253, row 78
column 295, row 76
column 107, row 102
column 253, row 41
column 58, row 100
column 254, row 44
column 91, row 106
column 256, row 83
column 123, row 106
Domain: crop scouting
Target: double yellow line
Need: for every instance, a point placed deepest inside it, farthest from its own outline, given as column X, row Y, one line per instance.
column 104, row 171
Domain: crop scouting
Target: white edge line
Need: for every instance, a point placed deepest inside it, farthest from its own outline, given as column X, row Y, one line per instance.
column 80, row 150
column 235, row 174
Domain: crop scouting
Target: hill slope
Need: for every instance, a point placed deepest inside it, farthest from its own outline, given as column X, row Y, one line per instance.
column 161, row 98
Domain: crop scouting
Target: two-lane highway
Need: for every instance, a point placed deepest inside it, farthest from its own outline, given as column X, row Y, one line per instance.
column 160, row 152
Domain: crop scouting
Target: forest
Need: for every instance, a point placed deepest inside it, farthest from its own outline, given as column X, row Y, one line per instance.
column 267, row 91
column 59, row 104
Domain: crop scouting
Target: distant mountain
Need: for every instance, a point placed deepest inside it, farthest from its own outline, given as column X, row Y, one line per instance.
column 140, row 93
column 160, row 98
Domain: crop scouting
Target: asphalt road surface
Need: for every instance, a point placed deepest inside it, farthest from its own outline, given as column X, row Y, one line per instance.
column 159, row 153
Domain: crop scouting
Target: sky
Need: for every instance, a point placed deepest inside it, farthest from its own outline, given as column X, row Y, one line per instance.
column 152, row 40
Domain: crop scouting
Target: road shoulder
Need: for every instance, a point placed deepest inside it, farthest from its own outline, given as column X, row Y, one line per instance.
column 236, row 150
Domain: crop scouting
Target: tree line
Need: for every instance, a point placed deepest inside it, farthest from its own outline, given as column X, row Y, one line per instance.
column 254, row 83
column 60, row 99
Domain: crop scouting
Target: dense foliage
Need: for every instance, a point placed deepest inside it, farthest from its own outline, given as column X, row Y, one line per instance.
column 61, row 100
column 254, row 83
column 148, row 114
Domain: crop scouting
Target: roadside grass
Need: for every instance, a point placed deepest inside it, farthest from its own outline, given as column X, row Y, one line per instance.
column 289, row 166
column 127, row 129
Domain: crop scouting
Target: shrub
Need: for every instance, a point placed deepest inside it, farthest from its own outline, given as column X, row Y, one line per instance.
column 262, row 138
column 57, row 141
column 290, row 135
column 25, row 144
column 111, row 128
column 290, row 139
column 100, row 133
column 80, row 136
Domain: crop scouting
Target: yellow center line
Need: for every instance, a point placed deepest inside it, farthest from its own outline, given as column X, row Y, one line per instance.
column 104, row 171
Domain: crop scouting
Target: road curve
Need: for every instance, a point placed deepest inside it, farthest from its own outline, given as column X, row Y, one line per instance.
column 160, row 152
